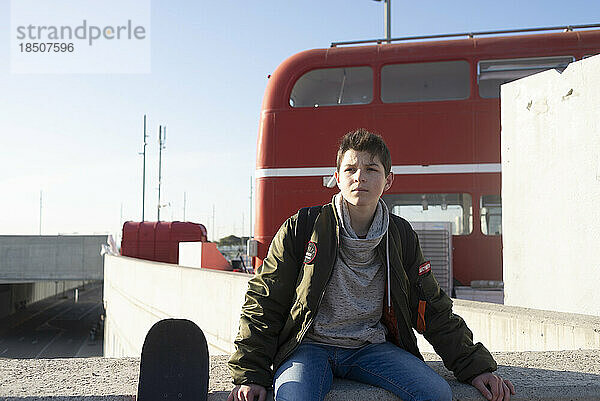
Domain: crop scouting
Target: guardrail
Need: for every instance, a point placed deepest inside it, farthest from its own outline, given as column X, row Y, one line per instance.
column 470, row 35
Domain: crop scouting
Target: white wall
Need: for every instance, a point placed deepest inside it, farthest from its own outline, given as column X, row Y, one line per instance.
column 51, row 257
column 551, row 189
column 138, row 293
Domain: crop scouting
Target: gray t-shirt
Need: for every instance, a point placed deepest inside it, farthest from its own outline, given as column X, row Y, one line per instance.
column 350, row 312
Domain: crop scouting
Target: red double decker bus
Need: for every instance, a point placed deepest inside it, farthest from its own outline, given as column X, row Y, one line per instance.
column 435, row 101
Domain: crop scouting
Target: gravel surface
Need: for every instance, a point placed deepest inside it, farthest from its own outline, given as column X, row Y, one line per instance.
column 557, row 375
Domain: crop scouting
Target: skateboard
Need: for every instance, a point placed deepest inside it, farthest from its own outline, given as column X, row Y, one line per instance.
column 174, row 363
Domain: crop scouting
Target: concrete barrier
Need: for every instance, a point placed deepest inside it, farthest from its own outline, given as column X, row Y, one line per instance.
column 550, row 189
column 138, row 293
column 504, row 328
column 539, row 376
column 29, row 258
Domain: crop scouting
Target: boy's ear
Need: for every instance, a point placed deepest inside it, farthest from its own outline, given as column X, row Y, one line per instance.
column 337, row 177
column 388, row 181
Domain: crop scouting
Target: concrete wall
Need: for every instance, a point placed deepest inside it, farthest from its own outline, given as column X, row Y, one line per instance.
column 18, row 295
column 63, row 257
column 138, row 293
column 504, row 328
column 551, row 189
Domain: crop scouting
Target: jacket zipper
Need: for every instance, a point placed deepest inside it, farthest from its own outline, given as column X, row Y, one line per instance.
column 406, row 297
column 399, row 280
column 303, row 332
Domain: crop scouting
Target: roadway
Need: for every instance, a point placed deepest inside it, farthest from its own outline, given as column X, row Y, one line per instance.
column 55, row 327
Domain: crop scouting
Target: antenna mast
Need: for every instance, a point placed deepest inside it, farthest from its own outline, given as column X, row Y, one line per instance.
column 144, row 172
column 162, row 138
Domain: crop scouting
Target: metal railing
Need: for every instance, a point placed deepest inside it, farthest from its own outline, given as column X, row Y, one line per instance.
column 471, row 35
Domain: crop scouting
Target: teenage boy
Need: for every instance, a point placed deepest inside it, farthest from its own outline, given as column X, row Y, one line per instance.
column 347, row 307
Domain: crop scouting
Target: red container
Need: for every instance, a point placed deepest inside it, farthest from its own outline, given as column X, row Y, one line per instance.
column 159, row 241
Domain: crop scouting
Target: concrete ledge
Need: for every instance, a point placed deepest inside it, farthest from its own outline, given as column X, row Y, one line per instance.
column 540, row 376
column 504, row 328
column 138, row 293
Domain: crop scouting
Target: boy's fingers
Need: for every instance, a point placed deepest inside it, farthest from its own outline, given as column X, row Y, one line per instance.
column 506, row 392
column 510, row 386
column 499, row 393
column 478, row 384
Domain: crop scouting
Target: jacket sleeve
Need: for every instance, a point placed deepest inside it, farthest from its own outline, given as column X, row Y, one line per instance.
column 267, row 304
column 445, row 331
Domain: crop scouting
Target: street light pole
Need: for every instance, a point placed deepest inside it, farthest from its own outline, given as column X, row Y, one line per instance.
column 387, row 20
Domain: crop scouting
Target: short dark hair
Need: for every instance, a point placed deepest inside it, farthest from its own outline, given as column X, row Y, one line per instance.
column 362, row 140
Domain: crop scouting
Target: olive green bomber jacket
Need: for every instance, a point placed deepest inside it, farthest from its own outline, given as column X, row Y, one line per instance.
column 283, row 298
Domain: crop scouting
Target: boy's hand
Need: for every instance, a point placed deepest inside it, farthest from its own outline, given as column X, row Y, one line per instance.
column 252, row 392
column 493, row 387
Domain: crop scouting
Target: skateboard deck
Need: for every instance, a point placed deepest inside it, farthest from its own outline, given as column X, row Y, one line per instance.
column 174, row 363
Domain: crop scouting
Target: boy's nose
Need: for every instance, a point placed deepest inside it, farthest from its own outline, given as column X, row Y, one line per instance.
column 359, row 175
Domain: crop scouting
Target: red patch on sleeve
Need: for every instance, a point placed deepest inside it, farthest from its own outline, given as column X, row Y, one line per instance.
column 424, row 268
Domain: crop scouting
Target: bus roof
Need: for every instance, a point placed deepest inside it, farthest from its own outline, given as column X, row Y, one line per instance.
column 567, row 28
column 585, row 42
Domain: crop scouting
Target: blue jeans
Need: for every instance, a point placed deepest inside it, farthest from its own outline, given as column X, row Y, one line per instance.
column 308, row 373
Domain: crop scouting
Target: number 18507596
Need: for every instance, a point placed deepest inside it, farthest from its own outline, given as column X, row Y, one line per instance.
column 46, row 47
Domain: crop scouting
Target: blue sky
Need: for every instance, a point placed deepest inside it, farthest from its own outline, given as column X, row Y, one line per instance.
column 76, row 137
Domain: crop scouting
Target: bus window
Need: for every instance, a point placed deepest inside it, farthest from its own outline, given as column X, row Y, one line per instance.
column 422, row 82
column 333, row 86
column 491, row 214
column 493, row 73
column 455, row 208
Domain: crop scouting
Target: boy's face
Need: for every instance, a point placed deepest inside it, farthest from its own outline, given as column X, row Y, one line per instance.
column 361, row 178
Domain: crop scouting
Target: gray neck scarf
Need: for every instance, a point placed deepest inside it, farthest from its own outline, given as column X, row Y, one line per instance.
column 357, row 251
